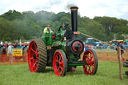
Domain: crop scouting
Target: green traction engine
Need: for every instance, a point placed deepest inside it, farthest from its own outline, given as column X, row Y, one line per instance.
column 62, row 50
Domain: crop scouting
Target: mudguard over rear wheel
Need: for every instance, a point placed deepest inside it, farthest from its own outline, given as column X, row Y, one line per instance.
column 92, row 62
column 59, row 63
column 37, row 56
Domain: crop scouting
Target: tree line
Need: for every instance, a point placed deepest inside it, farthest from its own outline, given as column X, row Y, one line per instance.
column 28, row 25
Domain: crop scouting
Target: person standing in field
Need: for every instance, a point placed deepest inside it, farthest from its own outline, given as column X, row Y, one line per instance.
column 122, row 50
column 10, row 52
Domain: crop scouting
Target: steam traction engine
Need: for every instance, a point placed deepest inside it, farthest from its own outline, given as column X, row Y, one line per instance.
column 61, row 50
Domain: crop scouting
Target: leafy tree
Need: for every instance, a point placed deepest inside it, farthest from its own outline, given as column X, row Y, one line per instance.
column 11, row 15
column 28, row 25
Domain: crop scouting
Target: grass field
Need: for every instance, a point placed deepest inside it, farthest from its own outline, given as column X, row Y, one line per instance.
column 20, row 75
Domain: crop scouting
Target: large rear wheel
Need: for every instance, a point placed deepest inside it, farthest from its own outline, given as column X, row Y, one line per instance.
column 37, row 56
column 60, row 63
column 92, row 62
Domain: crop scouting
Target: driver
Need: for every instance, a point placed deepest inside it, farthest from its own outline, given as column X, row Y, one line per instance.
column 47, row 29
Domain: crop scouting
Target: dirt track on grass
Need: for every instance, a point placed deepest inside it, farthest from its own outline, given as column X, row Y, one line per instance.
column 109, row 56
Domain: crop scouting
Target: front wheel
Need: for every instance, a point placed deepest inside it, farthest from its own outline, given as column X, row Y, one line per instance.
column 59, row 63
column 92, row 62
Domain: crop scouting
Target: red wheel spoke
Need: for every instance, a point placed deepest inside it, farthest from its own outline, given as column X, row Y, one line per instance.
column 61, row 69
column 87, row 58
column 91, row 57
column 33, row 51
column 57, row 59
column 89, row 67
column 37, row 58
column 90, row 62
column 93, row 61
column 60, row 58
column 35, row 63
column 92, row 66
column 57, row 69
column 31, row 59
column 60, row 63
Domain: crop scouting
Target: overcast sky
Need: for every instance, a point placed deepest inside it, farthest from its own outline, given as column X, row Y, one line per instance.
column 89, row 8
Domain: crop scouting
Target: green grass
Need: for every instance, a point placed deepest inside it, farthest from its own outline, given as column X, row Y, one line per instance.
column 107, row 74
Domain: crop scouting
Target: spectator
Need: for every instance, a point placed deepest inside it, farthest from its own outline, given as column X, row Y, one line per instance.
column 122, row 50
column 10, row 52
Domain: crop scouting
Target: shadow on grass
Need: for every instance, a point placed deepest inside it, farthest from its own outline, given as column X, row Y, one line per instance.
column 76, row 73
column 50, row 70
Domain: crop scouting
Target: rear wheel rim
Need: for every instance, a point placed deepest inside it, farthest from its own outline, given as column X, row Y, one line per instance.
column 58, row 63
column 33, row 56
column 89, row 68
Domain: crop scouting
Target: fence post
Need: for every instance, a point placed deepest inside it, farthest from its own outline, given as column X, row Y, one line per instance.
column 120, row 64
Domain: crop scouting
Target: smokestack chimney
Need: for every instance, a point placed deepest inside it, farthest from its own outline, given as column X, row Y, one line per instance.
column 74, row 18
